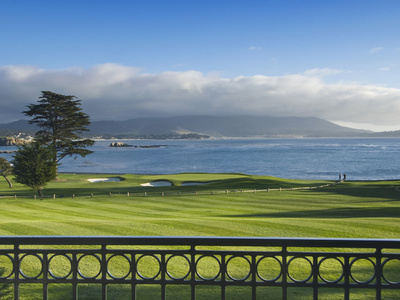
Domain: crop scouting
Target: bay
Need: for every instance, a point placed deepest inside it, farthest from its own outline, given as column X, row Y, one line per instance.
column 297, row 158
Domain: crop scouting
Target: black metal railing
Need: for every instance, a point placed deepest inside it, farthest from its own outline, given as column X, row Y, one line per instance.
column 218, row 266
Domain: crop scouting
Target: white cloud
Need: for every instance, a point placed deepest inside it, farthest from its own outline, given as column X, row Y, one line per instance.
column 367, row 126
column 255, row 48
column 375, row 50
column 384, row 69
column 321, row 72
column 111, row 91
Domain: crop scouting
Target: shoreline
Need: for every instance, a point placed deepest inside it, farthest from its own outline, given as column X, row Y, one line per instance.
column 194, row 173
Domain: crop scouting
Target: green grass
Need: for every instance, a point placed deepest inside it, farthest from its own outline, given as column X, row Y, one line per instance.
column 347, row 210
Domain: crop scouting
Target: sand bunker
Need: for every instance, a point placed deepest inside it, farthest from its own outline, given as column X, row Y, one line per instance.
column 104, row 179
column 158, row 183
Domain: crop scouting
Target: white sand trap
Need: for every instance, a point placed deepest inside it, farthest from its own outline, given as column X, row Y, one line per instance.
column 158, row 183
column 104, row 179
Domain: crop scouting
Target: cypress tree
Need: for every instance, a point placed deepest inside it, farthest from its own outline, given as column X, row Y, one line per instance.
column 34, row 166
column 62, row 122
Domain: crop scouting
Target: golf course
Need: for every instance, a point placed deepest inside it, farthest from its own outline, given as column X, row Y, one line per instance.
column 195, row 204
column 227, row 205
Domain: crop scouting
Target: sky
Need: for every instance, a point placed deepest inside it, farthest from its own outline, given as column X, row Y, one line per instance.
column 334, row 60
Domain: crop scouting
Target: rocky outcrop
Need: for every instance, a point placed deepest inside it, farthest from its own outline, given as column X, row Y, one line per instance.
column 120, row 144
column 7, row 141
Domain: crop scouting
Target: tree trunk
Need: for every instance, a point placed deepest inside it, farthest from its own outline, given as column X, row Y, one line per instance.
column 8, row 181
column 55, row 160
column 40, row 192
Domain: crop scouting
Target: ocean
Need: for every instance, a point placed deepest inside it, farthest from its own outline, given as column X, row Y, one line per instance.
column 295, row 158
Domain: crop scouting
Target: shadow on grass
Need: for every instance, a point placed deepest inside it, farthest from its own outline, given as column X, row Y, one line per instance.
column 375, row 191
column 348, row 212
column 83, row 188
column 257, row 183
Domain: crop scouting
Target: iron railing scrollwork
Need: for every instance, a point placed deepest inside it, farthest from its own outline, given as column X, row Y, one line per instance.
column 250, row 263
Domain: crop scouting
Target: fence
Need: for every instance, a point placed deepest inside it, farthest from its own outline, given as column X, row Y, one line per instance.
column 222, row 265
column 177, row 192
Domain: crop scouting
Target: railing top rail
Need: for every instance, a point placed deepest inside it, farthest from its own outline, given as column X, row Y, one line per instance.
column 201, row 241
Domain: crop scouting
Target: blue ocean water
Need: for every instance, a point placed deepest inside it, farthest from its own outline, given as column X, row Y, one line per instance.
column 319, row 158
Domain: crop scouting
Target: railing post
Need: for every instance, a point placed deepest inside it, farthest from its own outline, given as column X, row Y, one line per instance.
column 16, row 271
column 284, row 273
column 192, row 253
column 346, row 273
column 103, row 269
column 45, row 270
column 223, row 276
column 378, row 273
column 314, row 271
column 163, row 270
column 253, row 272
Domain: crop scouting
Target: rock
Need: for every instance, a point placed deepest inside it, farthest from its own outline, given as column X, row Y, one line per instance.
column 119, row 144
column 7, row 141
column 153, row 146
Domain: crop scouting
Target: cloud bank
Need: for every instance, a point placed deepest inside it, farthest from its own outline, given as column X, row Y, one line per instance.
column 111, row 91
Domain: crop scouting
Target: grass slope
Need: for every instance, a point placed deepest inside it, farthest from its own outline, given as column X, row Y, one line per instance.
column 347, row 210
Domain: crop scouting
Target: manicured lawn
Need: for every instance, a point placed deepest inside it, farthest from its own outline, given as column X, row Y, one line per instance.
column 346, row 210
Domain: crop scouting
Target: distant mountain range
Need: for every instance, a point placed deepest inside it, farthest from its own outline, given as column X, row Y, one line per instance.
column 210, row 126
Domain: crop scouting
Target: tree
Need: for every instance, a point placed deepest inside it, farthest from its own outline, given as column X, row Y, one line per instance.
column 5, row 170
column 62, row 122
column 34, row 166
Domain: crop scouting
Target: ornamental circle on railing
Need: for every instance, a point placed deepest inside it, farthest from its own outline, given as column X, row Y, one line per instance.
column 361, row 268
column 31, row 266
column 238, row 268
column 331, row 269
column 89, row 266
column 178, row 267
column 148, row 266
column 297, row 266
column 269, row 268
column 118, row 266
column 6, row 263
column 208, row 267
column 60, row 266
column 390, row 270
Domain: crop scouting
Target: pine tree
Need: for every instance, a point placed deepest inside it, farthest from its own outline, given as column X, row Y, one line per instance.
column 62, row 122
column 34, row 166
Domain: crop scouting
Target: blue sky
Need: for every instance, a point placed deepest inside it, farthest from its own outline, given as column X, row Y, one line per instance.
column 337, row 60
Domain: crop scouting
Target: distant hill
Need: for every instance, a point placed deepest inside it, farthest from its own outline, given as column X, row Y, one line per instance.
column 237, row 126
column 14, row 128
